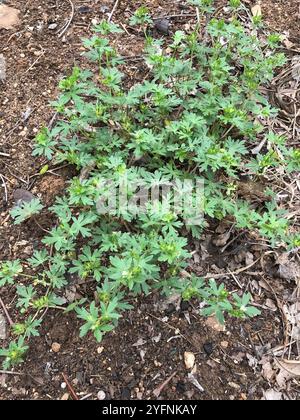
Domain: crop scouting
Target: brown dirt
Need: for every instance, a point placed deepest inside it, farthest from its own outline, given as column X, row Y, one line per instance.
column 122, row 366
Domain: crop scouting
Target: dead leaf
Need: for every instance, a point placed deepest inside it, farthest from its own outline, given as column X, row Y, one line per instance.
column 222, row 240
column 290, row 271
column 139, row 343
column 256, row 10
column 291, row 366
column 195, row 382
column 289, row 369
column 189, row 359
column 271, row 305
column 9, row 17
column 267, row 371
column 272, row 395
column 288, row 44
column 252, row 361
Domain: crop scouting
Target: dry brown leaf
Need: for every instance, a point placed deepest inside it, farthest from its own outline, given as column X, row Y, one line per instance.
column 289, row 369
column 290, row 271
column 291, row 366
column 267, row 371
column 256, row 10
column 222, row 240
column 9, row 17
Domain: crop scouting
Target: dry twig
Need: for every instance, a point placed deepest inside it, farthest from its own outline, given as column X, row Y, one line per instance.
column 66, row 27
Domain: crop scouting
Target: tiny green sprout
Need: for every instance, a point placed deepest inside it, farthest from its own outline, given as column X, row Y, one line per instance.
column 235, row 4
column 141, row 17
column 257, row 20
column 105, row 28
column 44, row 144
column 274, row 40
column 14, row 354
column 205, row 6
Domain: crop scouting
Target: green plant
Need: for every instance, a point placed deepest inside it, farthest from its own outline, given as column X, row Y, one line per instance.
column 14, row 354
column 193, row 121
column 26, row 210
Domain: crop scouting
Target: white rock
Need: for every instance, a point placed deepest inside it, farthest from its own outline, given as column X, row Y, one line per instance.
column 101, row 395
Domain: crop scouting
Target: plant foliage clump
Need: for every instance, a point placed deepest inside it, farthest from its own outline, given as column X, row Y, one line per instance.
column 196, row 116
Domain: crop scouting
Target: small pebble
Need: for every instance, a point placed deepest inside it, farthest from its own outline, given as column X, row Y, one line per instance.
column 84, row 9
column 162, row 25
column 63, row 385
column 101, row 395
column 189, row 359
column 208, row 348
column 56, row 347
column 52, row 26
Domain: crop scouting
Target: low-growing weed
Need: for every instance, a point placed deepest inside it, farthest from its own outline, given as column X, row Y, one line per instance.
column 193, row 120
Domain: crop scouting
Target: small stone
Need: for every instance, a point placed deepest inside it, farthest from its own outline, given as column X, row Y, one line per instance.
column 63, row 385
column 100, row 350
column 104, row 9
column 162, row 25
column 213, row 323
column 101, row 395
column 184, row 305
column 189, row 359
column 224, row 344
column 22, row 196
column 208, row 348
column 56, row 347
column 52, row 26
column 65, row 397
column 9, row 17
column 84, row 9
